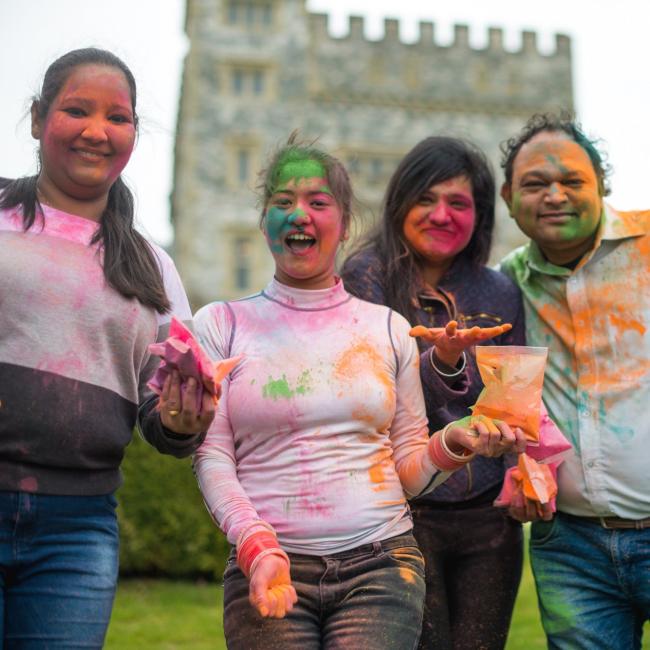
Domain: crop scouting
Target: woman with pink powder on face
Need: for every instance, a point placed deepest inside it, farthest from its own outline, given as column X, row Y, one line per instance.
column 82, row 297
column 426, row 259
column 320, row 437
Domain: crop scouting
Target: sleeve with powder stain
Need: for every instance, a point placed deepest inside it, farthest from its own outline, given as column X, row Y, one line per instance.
column 409, row 429
column 215, row 464
column 149, row 424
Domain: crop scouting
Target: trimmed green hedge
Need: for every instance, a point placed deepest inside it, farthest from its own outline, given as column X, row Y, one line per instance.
column 165, row 528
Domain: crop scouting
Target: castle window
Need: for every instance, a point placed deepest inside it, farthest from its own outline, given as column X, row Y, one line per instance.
column 258, row 82
column 242, row 266
column 233, row 14
column 238, row 82
column 243, row 165
column 242, row 162
column 376, row 168
column 353, row 165
column 250, row 13
column 248, row 80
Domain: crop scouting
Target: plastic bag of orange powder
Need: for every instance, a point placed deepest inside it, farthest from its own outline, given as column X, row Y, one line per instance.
column 529, row 479
column 538, row 482
column 513, row 376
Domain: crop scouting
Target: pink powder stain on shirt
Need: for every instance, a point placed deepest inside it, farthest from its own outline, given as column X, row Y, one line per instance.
column 310, row 502
column 70, row 363
column 69, row 226
column 28, row 484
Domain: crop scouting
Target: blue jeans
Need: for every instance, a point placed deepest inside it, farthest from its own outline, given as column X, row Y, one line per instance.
column 370, row 597
column 593, row 584
column 58, row 570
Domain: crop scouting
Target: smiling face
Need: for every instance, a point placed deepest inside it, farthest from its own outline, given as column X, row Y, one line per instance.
column 87, row 136
column 555, row 196
column 303, row 226
column 440, row 224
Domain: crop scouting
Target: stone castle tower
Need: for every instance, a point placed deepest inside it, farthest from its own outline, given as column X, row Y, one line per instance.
column 257, row 69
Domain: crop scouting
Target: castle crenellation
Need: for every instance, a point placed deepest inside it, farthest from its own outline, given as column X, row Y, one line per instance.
column 319, row 28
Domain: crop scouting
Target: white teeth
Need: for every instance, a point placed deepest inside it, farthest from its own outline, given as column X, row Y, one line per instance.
column 300, row 237
column 90, row 154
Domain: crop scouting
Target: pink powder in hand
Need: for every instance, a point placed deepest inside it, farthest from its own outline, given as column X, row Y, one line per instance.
column 182, row 352
column 553, row 447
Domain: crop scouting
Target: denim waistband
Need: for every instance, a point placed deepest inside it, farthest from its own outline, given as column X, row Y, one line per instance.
column 405, row 539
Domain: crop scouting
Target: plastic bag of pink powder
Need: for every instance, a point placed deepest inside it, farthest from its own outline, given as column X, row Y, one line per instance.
column 553, row 447
column 182, row 352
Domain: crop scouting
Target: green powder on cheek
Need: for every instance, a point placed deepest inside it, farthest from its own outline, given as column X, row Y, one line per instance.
column 519, row 213
column 274, row 222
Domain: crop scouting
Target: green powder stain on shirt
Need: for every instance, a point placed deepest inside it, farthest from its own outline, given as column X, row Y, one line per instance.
column 304, row 383
column 276, row 389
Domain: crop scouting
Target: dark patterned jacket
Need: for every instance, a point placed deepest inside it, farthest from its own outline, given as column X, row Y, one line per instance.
column 482, row 297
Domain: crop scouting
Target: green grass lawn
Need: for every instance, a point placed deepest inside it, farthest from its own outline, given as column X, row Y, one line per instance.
column 165, row 615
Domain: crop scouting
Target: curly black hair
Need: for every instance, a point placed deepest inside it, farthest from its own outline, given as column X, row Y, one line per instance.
column 566, row 123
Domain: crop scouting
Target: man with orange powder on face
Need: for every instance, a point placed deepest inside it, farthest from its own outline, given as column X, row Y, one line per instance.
column 585, row 278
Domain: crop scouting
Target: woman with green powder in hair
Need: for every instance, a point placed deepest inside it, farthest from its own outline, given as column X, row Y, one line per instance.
column 320, row 436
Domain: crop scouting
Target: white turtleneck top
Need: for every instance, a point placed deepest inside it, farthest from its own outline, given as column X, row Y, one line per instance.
column 321, row 429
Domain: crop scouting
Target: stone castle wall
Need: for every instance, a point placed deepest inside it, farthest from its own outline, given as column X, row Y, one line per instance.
column 258, row 69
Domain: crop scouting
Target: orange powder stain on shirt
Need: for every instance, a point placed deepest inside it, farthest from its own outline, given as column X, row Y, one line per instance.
column 376, row 474
column 558, row 321
column 393, row 502
column 363, row 415
column 358, row 360
column 378, row 462
column 624, row 324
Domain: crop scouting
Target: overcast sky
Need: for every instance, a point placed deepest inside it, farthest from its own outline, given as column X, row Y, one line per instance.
column 610, row 57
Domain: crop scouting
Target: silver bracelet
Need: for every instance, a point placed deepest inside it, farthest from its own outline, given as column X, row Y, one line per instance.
column 446, row 374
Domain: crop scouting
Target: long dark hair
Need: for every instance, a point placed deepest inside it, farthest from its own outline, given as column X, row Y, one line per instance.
column 129, row 263
column 432, row 161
